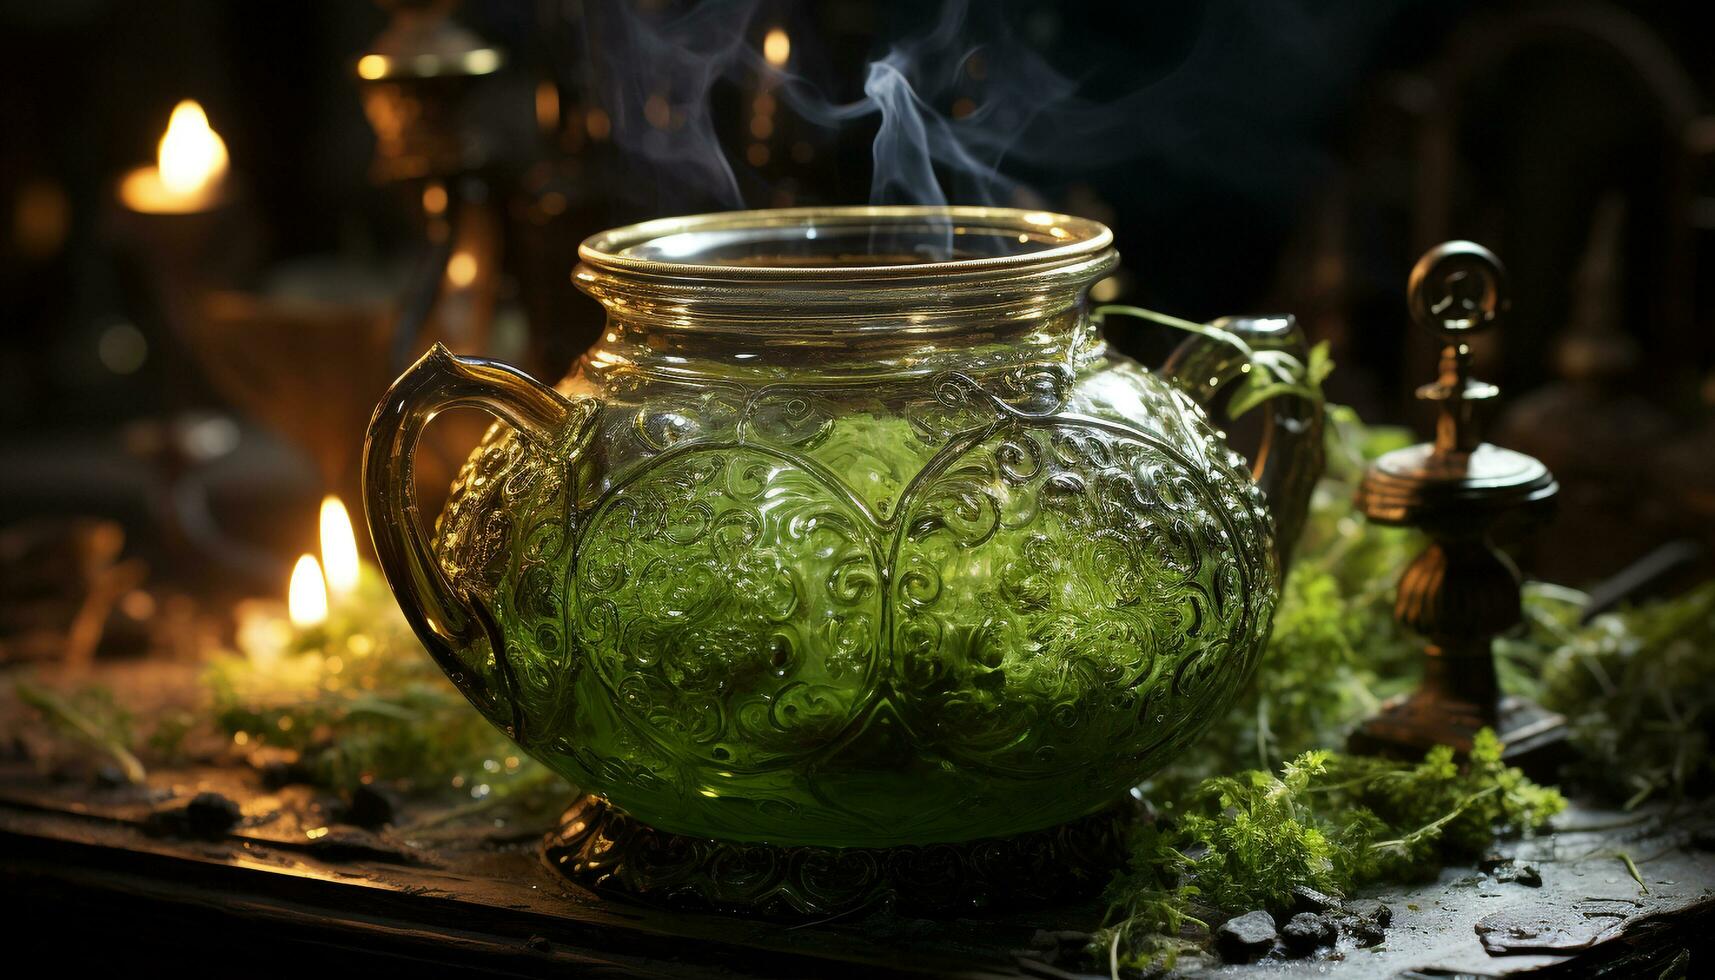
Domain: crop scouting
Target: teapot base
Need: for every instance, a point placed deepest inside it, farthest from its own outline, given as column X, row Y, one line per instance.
column 611, row 853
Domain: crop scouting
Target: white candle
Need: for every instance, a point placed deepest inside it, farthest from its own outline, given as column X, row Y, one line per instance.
column 190, row 169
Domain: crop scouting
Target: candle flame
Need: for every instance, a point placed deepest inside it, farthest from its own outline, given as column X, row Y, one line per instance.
column 307, row 598
column 777, row 47
column 339, row 547
column 461, row 269
column 192, row 155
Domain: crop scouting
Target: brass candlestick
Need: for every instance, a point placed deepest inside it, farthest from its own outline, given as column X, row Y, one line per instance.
column 1461, row 591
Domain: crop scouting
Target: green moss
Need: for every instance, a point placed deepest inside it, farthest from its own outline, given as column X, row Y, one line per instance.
column 1635, row 686
column 1326, row 821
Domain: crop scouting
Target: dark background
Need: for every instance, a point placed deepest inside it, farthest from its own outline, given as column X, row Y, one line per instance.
column 1285, row 156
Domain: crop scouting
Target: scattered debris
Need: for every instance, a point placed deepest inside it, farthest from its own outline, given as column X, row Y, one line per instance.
column 206, row 815
column 1307, row 899
column 88, row 716
column 1246, row 938
column 1364, row 933
column 278, row 773
column 1506, row 870
column 371, row 806
column 1632, row 869
column 1307, row 931
column 1365, row 920
column 211, row 814
column 1516, row 931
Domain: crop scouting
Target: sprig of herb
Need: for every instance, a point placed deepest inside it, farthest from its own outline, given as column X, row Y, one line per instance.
column 1637, row 687
column 358, row 700
column 89, row 716
column 1632, row 869
column 387, row 713
column 1327, row 821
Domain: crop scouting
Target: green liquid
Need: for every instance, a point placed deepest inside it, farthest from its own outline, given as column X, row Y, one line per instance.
column 870, row 628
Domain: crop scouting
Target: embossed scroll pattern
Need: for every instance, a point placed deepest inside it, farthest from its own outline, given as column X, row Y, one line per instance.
column 741, row 604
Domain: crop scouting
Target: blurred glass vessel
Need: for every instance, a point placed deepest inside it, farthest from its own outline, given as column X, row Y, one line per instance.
column 851, row 531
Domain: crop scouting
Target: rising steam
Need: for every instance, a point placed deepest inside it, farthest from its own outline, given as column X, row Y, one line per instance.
column 658, row 76
column 957, row 106
column 655, row 79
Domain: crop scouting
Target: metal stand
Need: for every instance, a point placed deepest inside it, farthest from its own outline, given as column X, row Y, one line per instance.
column 1461, row 591
column 611, row 853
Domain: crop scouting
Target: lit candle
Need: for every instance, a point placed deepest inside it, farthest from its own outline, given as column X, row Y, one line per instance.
column 339, row 548
column 777, row 47
column 307, row 596
column 190, row 170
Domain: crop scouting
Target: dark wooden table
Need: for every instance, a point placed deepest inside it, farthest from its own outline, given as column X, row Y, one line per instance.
column 100, row 874
column 94, row 880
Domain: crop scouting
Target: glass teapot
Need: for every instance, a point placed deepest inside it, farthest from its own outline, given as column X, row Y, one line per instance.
column 850, row 531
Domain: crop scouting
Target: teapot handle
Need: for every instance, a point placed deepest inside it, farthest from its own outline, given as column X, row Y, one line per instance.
column 1290, row 458
column 442, row 616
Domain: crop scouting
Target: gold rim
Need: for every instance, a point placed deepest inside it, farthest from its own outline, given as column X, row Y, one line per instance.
column 1070, row 239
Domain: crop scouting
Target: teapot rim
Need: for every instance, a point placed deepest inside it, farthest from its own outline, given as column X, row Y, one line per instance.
column 1054, row 239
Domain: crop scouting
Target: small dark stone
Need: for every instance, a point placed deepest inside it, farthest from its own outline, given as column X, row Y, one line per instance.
column 1372, row 910
column 371, row 806
column 539, row 943
column 1364, row 933
column 1307, row 899
column 211, row 814
column 1522, row 874
column 279, row 773
column 1366, row 920
column 1304, row 932
column 1246, row 938
column 204, row 816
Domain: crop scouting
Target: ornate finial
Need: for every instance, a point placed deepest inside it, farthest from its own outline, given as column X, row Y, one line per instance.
column 1456, row 290
column 1461, row 591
